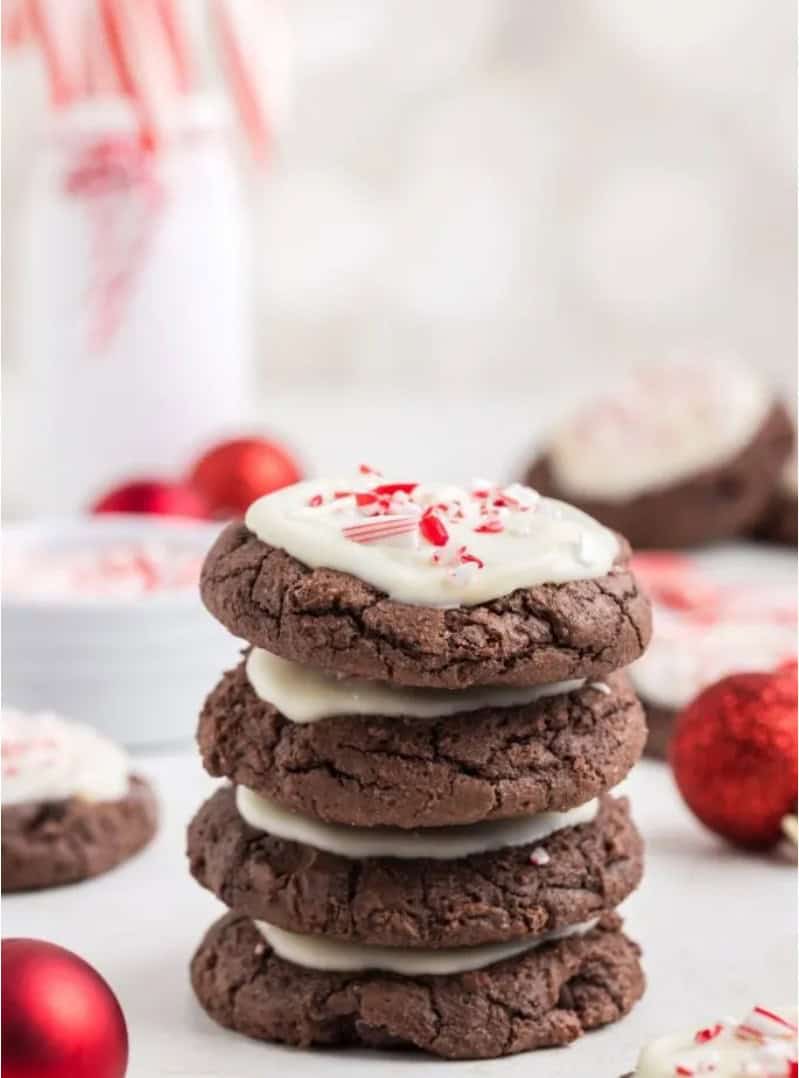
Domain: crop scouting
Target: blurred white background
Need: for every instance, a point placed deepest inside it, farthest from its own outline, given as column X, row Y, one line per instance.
column 481, row 207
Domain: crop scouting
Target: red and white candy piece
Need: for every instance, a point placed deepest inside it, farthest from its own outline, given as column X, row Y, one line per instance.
column 761, row 1023
column 386, row 527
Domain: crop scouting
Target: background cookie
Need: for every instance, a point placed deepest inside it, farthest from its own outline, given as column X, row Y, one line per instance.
column 334, row 621
column 778, row 523
column 71, row 809
column 673, row 457
column 707, row 628
column 46, row 844
column 543, row 998
column 502, row 762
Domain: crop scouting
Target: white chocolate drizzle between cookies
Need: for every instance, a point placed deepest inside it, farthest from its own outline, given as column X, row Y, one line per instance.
column 317, row 952
column 304, row 695
column 435, row 843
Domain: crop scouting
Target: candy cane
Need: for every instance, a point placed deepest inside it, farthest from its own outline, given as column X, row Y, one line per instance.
column 144, row 62
column 381, row 528
column 240, row 28
column 177, row 43
column 48, row 25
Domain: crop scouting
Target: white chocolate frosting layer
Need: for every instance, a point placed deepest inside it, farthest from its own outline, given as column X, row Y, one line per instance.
column 762, row 1045
column 684, row 658
column 47, row 758
column 436, row 843
column 306, row 695
column 663, row 424
column 434, row 545
column 316, row 952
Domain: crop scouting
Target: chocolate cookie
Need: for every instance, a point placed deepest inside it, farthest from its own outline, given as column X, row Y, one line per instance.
column 47, row 844
column 660, row 724
column 545, row 997
column 334, row 621
column 484, row 898
column 779, row 521
column 718, row 502
column 496, row 763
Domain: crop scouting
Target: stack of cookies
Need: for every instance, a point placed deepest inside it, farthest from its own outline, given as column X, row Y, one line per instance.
column 419, row 846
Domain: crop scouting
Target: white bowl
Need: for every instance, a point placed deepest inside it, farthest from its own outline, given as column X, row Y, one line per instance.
column 136, row 668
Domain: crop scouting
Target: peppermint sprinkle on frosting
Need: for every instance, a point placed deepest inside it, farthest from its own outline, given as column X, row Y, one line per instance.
column 762, row 1045
column 434, row 544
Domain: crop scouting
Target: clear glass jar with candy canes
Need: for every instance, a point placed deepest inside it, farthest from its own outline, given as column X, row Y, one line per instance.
column 135, row 315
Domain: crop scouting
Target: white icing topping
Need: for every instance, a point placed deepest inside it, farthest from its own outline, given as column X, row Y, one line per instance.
column 528, row 541
column 685, row 657
column 306, row 695
column 316, row 952
column 662, row 424
column 438, row 843
column 47, row 758
column 726, row 1049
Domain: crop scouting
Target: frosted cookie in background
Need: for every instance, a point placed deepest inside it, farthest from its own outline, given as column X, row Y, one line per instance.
column 704, row 630
column 71, row 807
column 779, row 522
column 676, row 454
column 761, row 1045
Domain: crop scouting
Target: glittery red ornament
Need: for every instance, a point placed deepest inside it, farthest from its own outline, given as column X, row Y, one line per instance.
column 60, row 1018
column 153, row 496
column 233, row 474
column 734, row 755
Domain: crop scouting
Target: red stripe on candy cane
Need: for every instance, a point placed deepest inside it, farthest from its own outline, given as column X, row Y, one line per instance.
column 120, row 49
column 178, row 44
column 380, row 528
column 17, row 29
column 144, row 63
column 771, row 1018
column 250, row 104
column 49, row 28
column 102, row 76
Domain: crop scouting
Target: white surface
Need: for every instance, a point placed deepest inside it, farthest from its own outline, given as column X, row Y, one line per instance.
column 717, row 927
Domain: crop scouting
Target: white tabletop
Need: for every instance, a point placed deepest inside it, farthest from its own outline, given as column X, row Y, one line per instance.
column 717, row 926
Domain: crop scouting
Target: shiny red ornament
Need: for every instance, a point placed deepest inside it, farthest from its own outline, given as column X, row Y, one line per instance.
column 153, row 496
column 734, row 755
column 60, row 1019
column 233, row 474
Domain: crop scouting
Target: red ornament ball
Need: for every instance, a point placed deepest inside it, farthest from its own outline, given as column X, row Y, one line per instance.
column 233, row 474
column 734, row 755
column 60, row 1018
column 153, row 496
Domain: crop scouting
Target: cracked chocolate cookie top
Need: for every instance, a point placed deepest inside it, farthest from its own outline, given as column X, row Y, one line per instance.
column 496, row 763
column 338, row 622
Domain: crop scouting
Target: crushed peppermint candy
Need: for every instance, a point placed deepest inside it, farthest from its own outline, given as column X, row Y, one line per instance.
column 761, row 1023
column 540, row 857
column 122, row 571
column 386, row 511
column 763, row 1045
